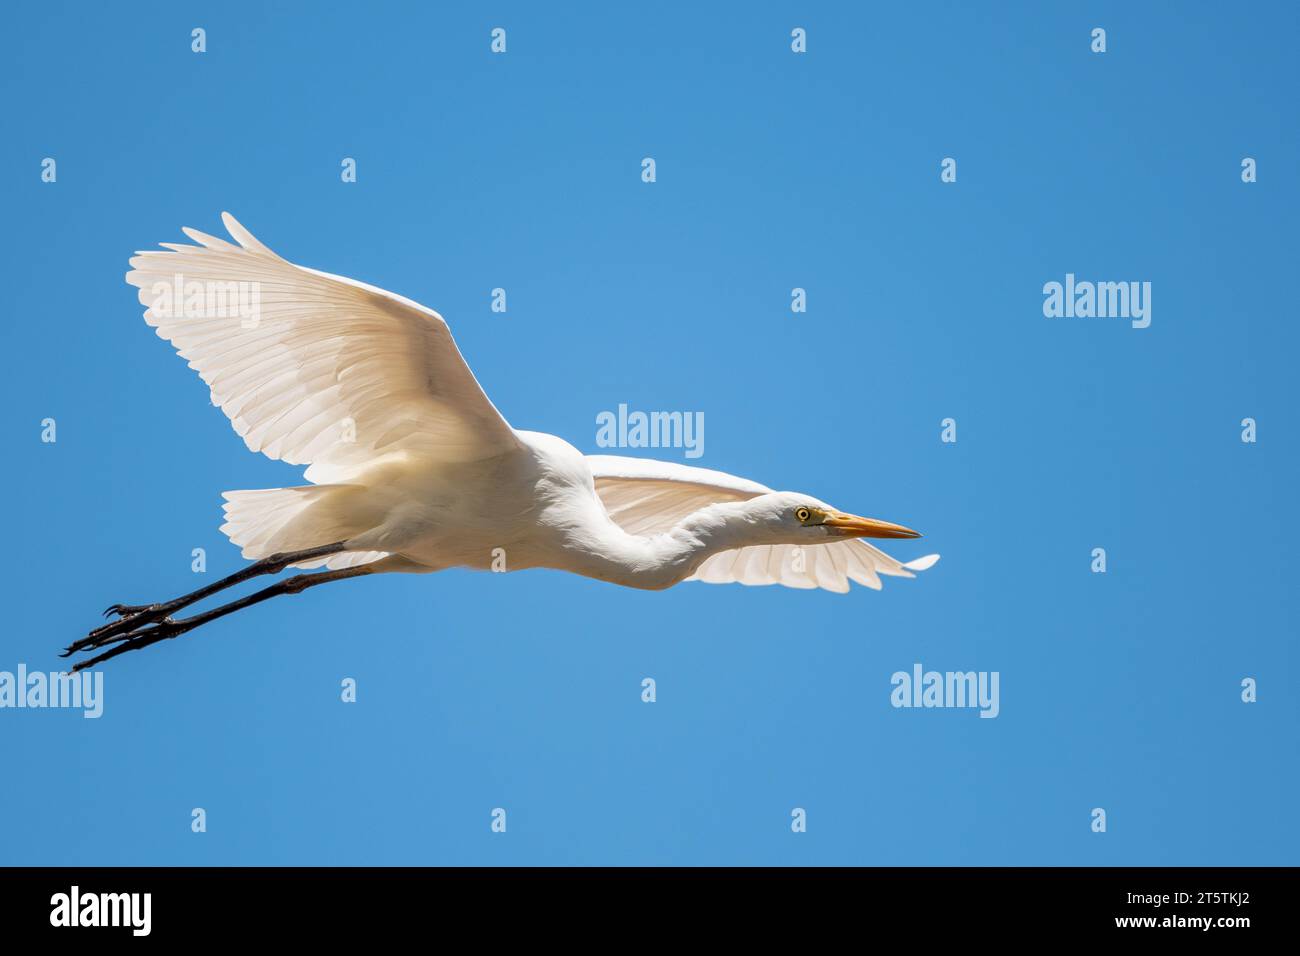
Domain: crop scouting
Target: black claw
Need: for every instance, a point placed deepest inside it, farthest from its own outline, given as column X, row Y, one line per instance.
column 164, row 630
column 128, row 610
column 131, row 619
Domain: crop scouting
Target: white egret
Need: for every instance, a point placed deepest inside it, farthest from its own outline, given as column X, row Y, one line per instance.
column 413, row 469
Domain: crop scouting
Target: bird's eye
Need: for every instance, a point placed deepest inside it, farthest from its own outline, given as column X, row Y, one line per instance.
column 803, row 514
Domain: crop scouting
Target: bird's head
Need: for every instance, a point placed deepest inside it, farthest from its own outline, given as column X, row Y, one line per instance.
column 788, row 518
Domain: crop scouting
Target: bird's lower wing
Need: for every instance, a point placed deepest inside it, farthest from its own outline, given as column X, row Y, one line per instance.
column 650, row 497
column 828, row 566
column 313, row 368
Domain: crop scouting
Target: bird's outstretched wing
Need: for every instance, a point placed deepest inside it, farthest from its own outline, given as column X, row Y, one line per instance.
column 313, row 368
column 649, row 497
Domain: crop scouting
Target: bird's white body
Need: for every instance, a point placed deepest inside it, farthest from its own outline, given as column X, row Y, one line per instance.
column 413, row 469
column 530, row 507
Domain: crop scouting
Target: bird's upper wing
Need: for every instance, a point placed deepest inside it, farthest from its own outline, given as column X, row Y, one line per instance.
column 313, row 368
column 649, row 497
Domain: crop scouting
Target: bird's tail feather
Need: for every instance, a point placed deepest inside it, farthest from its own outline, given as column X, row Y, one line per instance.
column 271, row 520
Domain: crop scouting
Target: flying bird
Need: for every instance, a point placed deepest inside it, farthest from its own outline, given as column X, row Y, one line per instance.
column 411, row 467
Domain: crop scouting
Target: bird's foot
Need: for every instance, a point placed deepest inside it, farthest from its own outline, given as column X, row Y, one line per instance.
column 142, row 636
column 131, row 617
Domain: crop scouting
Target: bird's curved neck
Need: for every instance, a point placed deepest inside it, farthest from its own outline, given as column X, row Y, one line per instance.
column 662, row 560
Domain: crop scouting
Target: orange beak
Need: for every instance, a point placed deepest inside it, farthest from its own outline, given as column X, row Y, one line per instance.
column 851, row 526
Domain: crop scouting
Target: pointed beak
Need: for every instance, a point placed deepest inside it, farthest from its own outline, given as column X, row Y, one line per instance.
column 851, row 526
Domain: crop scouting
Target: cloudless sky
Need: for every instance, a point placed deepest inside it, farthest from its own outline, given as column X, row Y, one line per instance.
column 775, row 170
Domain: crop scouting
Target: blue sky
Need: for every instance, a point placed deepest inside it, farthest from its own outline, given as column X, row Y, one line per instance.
column 774, row 170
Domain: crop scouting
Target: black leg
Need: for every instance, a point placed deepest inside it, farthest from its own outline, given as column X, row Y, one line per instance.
column 167, row 628
column 134, row 616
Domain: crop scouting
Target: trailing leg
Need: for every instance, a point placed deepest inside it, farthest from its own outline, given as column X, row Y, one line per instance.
column 166, row 628
column 134, row 616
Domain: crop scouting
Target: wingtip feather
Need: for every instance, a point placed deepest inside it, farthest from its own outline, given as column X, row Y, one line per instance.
column 243, row 236
column 922, row 564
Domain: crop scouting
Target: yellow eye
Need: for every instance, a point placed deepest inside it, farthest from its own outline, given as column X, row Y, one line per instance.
column 803, row 514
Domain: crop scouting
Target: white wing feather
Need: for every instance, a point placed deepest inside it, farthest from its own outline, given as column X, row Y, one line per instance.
column 649, row 497
column 327, row 371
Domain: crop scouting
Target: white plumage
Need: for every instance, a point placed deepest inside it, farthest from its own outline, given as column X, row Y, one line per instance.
column 413, row 469
column 650, row 497
column 410, row 461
